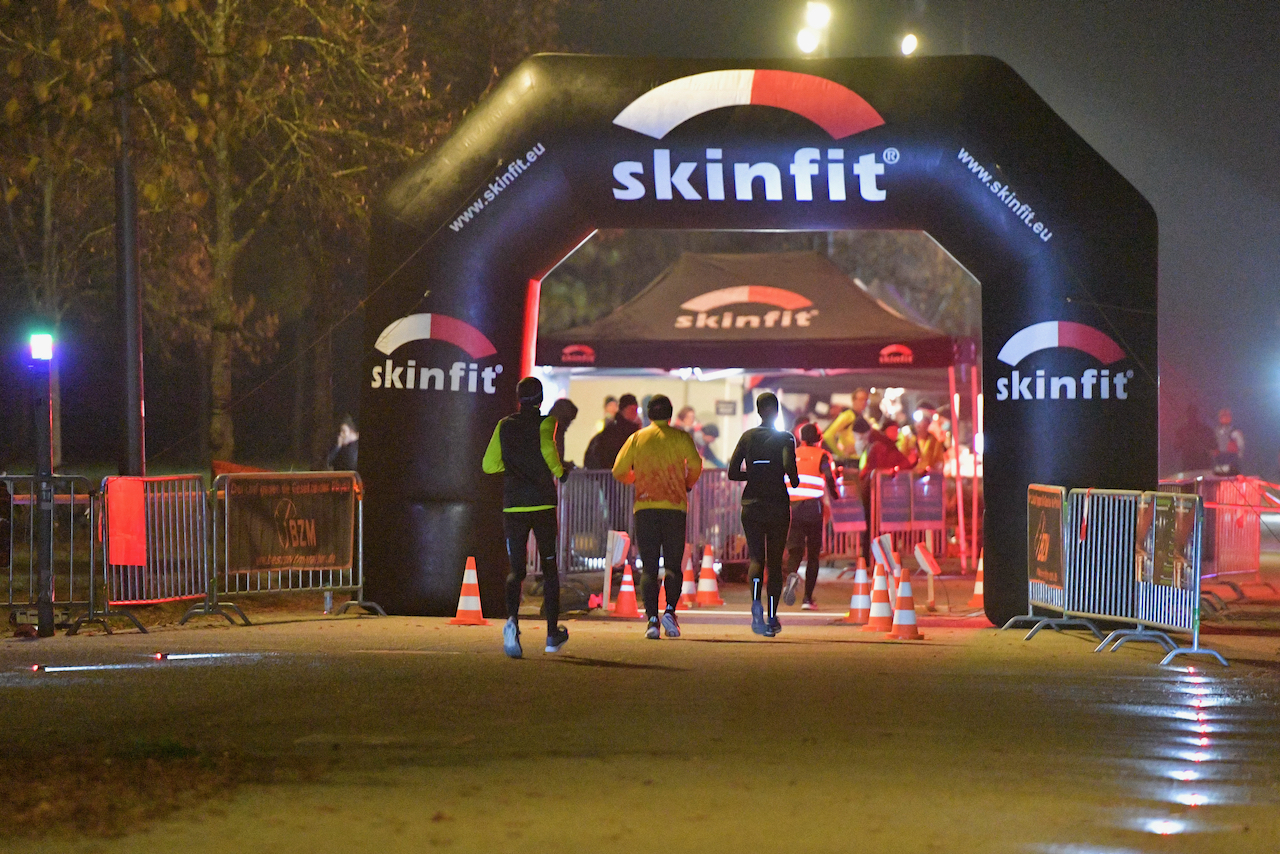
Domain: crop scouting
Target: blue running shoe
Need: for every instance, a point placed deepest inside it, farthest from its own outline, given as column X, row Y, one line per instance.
column 511, row 640
column 556, row 638
column 757, row 617
column 670, row 624
column 773, row 629
column 651, row 631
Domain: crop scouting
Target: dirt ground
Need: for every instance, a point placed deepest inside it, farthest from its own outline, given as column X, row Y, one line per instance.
column 306, row 733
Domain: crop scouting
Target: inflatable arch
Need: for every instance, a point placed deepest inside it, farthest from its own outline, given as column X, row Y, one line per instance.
column 959, row 147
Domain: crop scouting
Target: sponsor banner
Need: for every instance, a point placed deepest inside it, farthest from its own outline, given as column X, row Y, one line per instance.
column 1165, row 541
column 1044, row 534
column 289, row 523
column 1036, row 383
column 894, row 496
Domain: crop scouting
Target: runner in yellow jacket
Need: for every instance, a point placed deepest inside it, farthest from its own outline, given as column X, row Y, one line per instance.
column 664, row 464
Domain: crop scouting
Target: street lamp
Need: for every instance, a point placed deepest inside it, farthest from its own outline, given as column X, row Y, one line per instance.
column 909, row 44
column 817, row 19
column 42, row 410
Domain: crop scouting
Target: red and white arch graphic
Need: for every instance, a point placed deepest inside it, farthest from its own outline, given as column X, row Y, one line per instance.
column 839, row 111
column 1060, row 333
column 762, row 294
column 435, row 327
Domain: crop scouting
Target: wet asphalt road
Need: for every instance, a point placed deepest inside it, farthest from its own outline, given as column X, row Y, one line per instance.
column 823, row 739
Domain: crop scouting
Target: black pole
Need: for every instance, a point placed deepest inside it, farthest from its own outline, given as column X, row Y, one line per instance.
column 42, row 410
column 128, row 282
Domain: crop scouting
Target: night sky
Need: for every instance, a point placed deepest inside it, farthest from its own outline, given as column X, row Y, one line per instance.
column 1181, row 97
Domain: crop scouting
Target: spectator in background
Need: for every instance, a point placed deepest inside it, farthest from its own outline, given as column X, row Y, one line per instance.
column 704, row 440
column 564, row 411
column 605, row 445
column 686, row 419
column 1196, row 442
column 840, row 437
column 344, row 454
column 925, row 445
column 1229, row 451
column 610, row 413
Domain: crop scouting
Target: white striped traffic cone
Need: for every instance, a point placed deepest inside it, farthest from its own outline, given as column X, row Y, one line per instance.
column 904, row 613
column 880, row 617
column 688, row 586
column 626, row 606
column 860, row 603
column 977, row 600
column 469, row 613
column 708, row 590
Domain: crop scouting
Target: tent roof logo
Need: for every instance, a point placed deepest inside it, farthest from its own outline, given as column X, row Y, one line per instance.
column 780, row 297
column 1060, row 333
column 435, row 327
column 839, row 111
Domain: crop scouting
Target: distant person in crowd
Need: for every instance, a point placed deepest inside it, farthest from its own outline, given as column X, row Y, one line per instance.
column 766, row 459
column 924, row 445
column 523, row 451
column 663, row 463
column 1229, row 448
column 345, row 452
column 882, row 450
column 704, row 441
column 800, row 422
column 817, row 479
column 610, row 412
column 840, row 436
column 564, row 411
column 603, row 449
column 1196, row 442
column 686, row 419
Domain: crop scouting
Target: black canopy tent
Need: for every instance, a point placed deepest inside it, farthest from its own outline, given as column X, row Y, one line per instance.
column 768, row 311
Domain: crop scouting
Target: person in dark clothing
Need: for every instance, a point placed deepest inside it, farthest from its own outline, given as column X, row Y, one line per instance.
column 345, row 453
column 523, row 450
column 1196, row 442
column 565, row 412
column 603, row 449
column 817, row 478
column 766, row 459
column 882, row 455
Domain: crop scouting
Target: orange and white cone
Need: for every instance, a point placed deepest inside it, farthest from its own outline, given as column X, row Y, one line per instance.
column 469, row 613
column 688, row 586
column 904, row 612
column 662, row 594
column 708, row 589
column 626, row 606
column 860, row 603
column 880, row 616
column 977, row 600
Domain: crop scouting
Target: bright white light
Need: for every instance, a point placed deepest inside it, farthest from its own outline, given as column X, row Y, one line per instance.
column 909, row 44
column 779, row 424
column 1192, row 799
column 42, row 346
column 1185, row 776
column 817, row 16
column 1165, row 826
column 808, row 40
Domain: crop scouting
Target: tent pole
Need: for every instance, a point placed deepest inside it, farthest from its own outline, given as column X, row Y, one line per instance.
column 955, row 447
column 973, row 483
column 529, row 352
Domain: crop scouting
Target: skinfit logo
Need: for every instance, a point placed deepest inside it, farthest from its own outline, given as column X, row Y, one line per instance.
column 839, row 111
column 1093, row 383
column 462, row 376
column 897, row 354
column 791, row 309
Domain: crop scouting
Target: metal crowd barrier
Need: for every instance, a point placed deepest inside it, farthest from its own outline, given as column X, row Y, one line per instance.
column 284, row 532
column 1232, row 521
column 74, row 513
column 1104, row 554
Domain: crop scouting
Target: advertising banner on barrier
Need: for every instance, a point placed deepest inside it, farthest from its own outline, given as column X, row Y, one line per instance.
column 848, row 516
column 1044, row 534
column 279, row 523
column 895, row 501
column 1165, row 542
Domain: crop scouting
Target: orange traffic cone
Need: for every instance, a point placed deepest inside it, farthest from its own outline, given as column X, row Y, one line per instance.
column 469, row 613
column 688, row 586
column 708, row 590
column 662, row 595
column 860, row 604
column 626, row 606
column 977, row 600
column 880, row 616
column 904, row 612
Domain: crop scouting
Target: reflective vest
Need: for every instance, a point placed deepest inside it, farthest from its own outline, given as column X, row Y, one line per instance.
column 809, row 465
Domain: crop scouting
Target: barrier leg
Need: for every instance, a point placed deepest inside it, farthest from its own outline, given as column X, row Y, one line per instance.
column 1060, row 623
column 360, row 602
column 1194, row 650
column 214, row 609
column 1120, row 637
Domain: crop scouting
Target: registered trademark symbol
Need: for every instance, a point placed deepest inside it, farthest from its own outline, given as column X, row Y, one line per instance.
column 1129, row 374
column 891, row 155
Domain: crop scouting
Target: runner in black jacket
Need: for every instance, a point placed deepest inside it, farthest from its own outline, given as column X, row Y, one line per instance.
column 523, row 449
column 766, row 459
